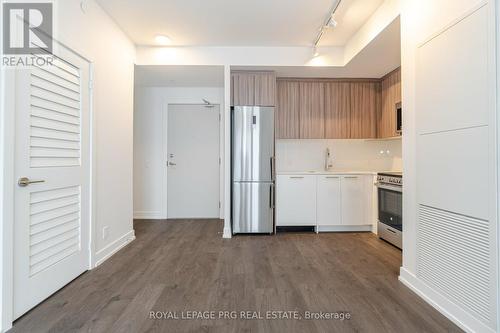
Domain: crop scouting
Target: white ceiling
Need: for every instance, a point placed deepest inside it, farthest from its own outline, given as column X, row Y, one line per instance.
column 238, row 22
column 179, row 76
column 350, row 16
column 378, row 58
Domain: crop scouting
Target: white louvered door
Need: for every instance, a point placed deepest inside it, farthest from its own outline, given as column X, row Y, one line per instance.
column 52, row 218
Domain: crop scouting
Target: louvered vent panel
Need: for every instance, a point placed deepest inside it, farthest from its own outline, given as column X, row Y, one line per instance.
column 54, row 226
column 55, row 116
column 454, row 258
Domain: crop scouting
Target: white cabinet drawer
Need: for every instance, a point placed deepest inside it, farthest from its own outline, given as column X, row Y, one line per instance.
column 329, row 201
column 295, row 200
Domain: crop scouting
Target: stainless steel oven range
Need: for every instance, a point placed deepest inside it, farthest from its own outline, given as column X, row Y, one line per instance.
column 390, row 207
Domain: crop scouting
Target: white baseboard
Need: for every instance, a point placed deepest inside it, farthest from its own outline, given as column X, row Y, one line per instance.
column 104, row 254
column 450, row 310
column 227, row 233
column 344, row 228
column 145, row 215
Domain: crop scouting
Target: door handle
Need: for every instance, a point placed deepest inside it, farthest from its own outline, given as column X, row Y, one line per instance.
column 171, row 164
column 25, row 181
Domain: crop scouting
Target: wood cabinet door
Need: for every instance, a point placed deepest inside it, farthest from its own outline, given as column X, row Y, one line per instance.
column 295, row 200
column 337, row 110
column 265, row 89
column 312, row 110
column 328, row 211
column 287, row 110
column 242, row 89
column 365, row 101
column 391, row 94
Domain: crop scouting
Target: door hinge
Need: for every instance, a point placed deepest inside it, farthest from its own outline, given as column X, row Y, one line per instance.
column 220, row 205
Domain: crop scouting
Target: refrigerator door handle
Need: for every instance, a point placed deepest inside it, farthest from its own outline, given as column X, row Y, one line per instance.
column 272, row 170
column 274, row 196
column 271, row 196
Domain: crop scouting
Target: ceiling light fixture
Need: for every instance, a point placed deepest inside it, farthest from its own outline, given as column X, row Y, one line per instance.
column 330, row 22
column 162, row 40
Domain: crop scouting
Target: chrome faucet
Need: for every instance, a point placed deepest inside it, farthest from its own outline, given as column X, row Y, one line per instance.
column 328, row 164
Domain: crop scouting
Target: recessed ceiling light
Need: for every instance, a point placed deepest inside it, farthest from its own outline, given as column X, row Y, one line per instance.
column 162, row 40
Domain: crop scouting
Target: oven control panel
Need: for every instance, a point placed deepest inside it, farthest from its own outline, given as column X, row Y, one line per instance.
column 390, row 180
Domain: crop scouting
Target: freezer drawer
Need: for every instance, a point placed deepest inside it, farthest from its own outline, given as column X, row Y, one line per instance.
column 253, row 144
column 253, row 207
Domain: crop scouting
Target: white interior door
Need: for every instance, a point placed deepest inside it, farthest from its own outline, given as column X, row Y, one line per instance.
column 193, row 161
column 52, row 218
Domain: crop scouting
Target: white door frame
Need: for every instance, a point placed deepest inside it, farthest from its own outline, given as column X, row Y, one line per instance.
column 8, row 183
column 164, row 112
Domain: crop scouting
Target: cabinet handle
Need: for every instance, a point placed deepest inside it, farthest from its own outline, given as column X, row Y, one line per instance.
column 333, row 177
column 351, row 177
column 294, row 177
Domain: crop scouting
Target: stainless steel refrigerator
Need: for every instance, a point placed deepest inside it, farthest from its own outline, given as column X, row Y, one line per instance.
column 252, row 169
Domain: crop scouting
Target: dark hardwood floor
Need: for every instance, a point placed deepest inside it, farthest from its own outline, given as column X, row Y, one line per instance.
column 176, row 266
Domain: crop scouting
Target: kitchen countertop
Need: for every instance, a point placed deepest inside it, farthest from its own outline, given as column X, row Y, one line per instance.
column 335, row 172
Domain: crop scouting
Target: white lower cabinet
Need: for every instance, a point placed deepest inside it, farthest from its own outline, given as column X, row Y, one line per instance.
column 295, row 200
column 328, row 200
column 354, row 200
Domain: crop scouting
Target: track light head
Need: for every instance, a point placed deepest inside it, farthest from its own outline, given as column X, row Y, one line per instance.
column 332, row 23
column 315, row 52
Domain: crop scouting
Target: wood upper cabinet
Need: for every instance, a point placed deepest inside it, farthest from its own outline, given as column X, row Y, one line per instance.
column 312, row 110
column 365, row 102
column 390, row 95
column 253, row 88
column 337, row 110
column 287, row 110
column 242, row 89
column 265, row 89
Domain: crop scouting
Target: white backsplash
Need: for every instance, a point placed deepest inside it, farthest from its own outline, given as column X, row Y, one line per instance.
column 346, row 155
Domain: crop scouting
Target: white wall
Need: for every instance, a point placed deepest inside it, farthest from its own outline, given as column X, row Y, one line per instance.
column 149, row 134
column 96, row 37
column 346, row 155
column 450, row 159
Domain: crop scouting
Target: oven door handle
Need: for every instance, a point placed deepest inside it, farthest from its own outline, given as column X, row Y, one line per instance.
column 389, row 187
